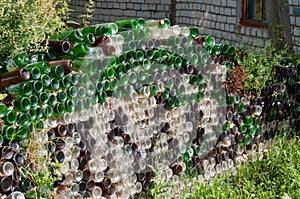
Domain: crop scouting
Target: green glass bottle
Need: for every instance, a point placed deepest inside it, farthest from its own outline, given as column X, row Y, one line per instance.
column 21, row 60
column 44, row 67
column 209, row 40
column 32, row 114
column 62, row 96
column 194, row 32
column 54, row 85
column 109, row 73
column 52, row 100
column 59, row 109
column 72, row 92
column 243, row 128
column 34, row 100
column 241, row 108
column 45, row 80
column 22, row 104
column 216, row 50
column 89, row 38
column 153, row 90
column 69, row 105
column 57, row 71
column 102, row 97
column 35, row 73
column 65, row 82
column 251, row 130
column 21, row 133
column 226, row 126
column 248, row 121
column 88, row 29
column 47, row 112
column 257, row 121
column 23, row 119
column 118, row 70
column 74, row 79
column 10, row 117
column 8, row 133
column 102, row 30
column 20, row 89
column 80, row 50
column 74, row 35
column 130, row 24
column 247, row 140
column 43, row 98
column 39, row 112
column 230, row 100
column 37, row 86
column 3, row 110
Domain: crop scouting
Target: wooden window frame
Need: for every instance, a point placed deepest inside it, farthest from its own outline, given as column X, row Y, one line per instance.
column 247, row 22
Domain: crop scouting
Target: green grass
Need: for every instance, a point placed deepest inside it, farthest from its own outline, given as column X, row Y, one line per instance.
column 277, row 175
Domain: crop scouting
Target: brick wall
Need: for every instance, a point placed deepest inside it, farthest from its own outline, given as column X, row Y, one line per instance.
column 294, row 11
column 219, row 18
column 113, row 10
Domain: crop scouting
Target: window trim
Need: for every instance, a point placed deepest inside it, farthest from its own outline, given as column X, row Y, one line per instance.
column 246, row 22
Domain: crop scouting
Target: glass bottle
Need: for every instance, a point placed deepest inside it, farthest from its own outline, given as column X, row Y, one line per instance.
column 3, row 110
column 21, row 60
column 61, row 46
column 22, row 104
column 67, row 65
column 59, row 109
column 10, row 117
column 20, row 89
column 80, row 50
column 43, row 67
column 6, row 184
column 73, row 35
column 130, row 24
column 57, row 71
column 37, row 86
column 89, row 38
column 102, row 30
column 16, row 195
column 14, row 77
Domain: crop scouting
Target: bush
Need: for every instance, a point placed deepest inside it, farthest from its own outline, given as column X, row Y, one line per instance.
column 25, row 24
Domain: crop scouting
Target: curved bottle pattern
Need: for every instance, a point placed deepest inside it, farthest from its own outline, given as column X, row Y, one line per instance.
column 115, row 108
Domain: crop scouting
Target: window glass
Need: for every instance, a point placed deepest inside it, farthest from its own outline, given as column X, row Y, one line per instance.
column 255, row 10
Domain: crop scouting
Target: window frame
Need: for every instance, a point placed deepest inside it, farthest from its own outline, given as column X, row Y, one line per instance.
column 248, row 22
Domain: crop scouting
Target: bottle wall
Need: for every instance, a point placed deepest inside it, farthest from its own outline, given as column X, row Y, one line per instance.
column 114, row 106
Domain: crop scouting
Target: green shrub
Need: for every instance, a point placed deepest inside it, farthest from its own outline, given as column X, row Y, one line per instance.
column 25, row 24
column 258, row 64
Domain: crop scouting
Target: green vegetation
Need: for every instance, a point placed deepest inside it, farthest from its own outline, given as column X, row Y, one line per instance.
column 258, row 64
column 25, row 24
column 45, row 171
column 277, row 175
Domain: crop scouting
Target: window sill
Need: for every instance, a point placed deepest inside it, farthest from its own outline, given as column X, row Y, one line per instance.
column 253, row 24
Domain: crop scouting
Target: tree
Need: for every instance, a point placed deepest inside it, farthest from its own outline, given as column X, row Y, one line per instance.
column 279, row 23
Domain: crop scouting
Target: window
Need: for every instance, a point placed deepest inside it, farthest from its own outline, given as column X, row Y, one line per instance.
column 254, row 13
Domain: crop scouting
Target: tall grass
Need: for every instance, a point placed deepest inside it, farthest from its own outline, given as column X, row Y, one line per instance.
column 277, row 175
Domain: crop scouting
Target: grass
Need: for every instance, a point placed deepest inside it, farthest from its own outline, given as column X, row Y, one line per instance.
column 277, row 175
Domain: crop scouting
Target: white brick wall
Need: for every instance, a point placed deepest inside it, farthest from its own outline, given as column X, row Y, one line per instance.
column 222, row 19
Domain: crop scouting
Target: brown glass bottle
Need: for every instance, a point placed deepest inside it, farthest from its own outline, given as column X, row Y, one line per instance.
column 67, row 65
column 61, row 46
column 14, row 77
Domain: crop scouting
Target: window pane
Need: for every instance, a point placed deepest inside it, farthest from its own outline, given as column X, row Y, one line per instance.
column 255, row 10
